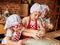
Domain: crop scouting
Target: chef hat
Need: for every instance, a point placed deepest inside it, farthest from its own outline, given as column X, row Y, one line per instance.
column 14, row 24
column 11, row 19
column 35, row 7
column 44, row 7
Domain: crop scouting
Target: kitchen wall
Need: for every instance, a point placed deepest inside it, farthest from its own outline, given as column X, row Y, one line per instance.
column 14, row 7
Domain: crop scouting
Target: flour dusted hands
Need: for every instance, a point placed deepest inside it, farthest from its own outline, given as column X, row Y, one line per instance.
column 41, row 33
column 35, row 34
column 50, row 26
column 19, row 42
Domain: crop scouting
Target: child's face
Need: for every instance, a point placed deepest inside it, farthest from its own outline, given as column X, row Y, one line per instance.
column 17, row 27
column 45, row 14
column 35, row 15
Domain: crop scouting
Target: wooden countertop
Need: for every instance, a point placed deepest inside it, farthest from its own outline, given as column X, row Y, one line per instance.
column 53, row 34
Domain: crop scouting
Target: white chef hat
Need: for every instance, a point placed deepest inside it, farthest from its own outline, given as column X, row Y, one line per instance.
column 11, row 19
column 35, row 7
column 14, row 24
column 44, row 7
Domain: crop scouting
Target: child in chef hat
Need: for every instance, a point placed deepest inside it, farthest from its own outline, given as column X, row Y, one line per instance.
column 31, row 23
column 35, row 7
column 14, row 28
column 45, row 17
column 11, row 19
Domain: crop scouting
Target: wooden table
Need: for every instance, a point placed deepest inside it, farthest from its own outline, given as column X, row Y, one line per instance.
column 53, row 34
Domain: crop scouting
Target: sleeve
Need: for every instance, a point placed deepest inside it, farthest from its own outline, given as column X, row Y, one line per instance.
column 9, row 33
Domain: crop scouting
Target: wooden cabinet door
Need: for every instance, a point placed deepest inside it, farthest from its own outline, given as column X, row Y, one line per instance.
column 2, row 31
column 24, row 10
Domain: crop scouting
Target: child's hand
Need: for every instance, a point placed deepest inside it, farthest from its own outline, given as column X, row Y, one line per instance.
column 50, row 26
column 41, row 33
column 16, row 35
column 35, row 35
column 19, row 42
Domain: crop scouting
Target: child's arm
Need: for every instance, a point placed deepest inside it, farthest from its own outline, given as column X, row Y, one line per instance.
column 28, row 32
column 31, row 33
column 8, row 38
column 41, row 29
column 48, row 24
column 11, row 42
